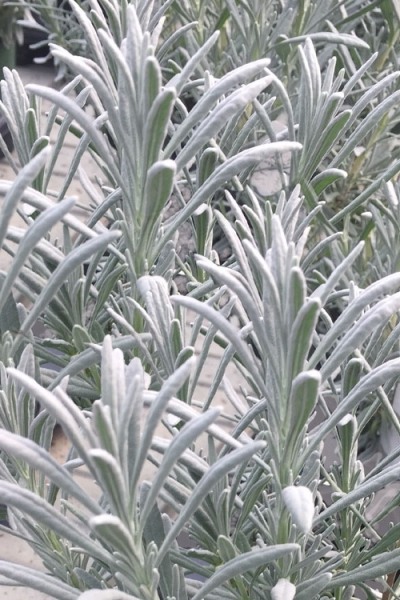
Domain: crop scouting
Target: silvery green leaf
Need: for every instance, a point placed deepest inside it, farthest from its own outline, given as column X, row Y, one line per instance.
column 225, row 172
column 348, row 317
column 33, row 235
column 90, row 35
column 154, row 532
column 112, row 531
column 155, row 19
column 363, row 490
column 88, row 580
column 134, row 37
column 312, row 587
column 9, row 316
column 158, row 407
column 39, row 145
column 47, row 584
column 157, row 125
column 131, row 406
column 324, row 290
column 208, row 162
column 179, row 80
column 111, row 479
column 315, row 71
column 26, row 363
column 157, row 192
column 183, row 440
column 64, row 128
column 159, row 317
column 120, row 83
column 82, row 147
column 297, row 290
column 238, row 284
column 44, row 248
column 169, row 43
column 367, row 384
column 352, row 375
column 321, row 181
column 306, row 105
column 232, row 79
column 303, row 398
column 244, row 251
column 367, row 192
column 334, row 130
column 15, row 192
column 365, row 126
column 318, row 251
column 283, row 590
column 374, row 318
column 105, row 426
column 218, row 470
column 226, row 549
column 153, row 80
column 245, row 562
column 75, row 258
column 40, row 510
column 300, row 338
column 153, row 284
column 90, row 356
column 73, row 109
column 221, row 114
column 62, row 409
column 371, row 93
column 333, row 38
column 227, row 329
column 299, row 501
column 112, row 379
column 387, row 562
column 40, row 202
column 38, row 458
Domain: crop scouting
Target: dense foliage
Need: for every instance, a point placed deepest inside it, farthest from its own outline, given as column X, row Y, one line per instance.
column 266, row 133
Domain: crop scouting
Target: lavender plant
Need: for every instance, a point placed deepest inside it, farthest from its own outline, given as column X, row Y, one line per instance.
column 195, row 500
column 140, row 177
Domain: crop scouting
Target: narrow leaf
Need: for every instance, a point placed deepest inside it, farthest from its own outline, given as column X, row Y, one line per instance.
column 245, row 562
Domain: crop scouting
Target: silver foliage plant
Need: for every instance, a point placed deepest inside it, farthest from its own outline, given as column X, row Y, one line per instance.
column 306, row 306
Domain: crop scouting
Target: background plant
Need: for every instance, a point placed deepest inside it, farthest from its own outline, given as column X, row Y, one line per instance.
column 10, row 31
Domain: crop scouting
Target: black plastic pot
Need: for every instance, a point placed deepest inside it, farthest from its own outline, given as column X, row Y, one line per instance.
column 28, row 51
